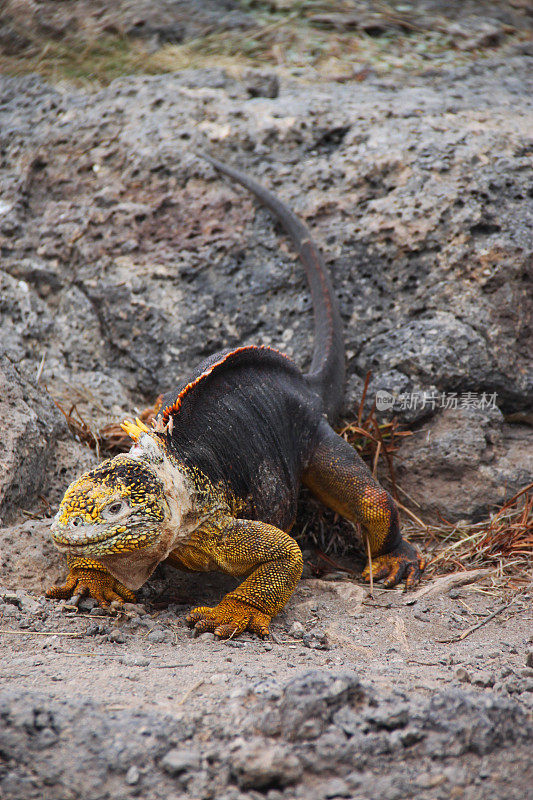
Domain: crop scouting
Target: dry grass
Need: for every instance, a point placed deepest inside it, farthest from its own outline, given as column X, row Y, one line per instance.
column 504, row 542
column 304, row 39
column 109, row 439
column 80, row 61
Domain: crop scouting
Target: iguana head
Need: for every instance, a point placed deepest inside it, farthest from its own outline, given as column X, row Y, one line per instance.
column 128, row 513
column 116, row 507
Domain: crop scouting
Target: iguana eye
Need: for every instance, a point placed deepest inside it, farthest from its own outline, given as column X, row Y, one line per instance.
column 115, row 508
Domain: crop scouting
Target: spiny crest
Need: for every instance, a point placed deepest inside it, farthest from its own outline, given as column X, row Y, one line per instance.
column 134, row 429
column 163, row 424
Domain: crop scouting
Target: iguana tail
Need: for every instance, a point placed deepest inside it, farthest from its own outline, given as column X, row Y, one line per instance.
column 326, row 373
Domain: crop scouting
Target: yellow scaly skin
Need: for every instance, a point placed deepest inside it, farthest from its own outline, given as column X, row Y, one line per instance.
column 118, row 521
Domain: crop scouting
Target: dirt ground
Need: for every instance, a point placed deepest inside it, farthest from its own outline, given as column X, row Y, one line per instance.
column 403, row 137
column 437, row 717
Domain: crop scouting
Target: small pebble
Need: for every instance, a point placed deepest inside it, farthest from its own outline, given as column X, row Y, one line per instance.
column 93, row 629
column 116, row 636
column 484, row 679
column 132, row 775
column 11, row 598
column 180, row 760
column 9, row 610
column 134, row 661
column 463, row 675
column 296, row 630
column 316, row 639
column 157, row 636
column 134, row 608
column 87, row 604
column 335, row 787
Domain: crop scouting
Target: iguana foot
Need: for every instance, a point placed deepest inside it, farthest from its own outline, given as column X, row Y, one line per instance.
column 402, row 563
column 96, row 583
column 229, row 618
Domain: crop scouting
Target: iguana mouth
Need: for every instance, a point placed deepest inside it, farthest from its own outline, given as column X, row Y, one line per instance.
column 103, row 542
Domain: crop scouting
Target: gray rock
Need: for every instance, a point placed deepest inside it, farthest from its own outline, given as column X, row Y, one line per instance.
column 390, row 715
column 334, row 787
column 30, row 425
column 136, row 609
column 181, row 760
column 316, row 639
column 116, row 636
column 473, row 33
column 135, row 661
column 484, row 678
column 12, row 598
column 11, row 611
column 309, row 702
column 346, row 719
column 132, row 775
column 463, row 675
column 257, row 765
column 449, row 722
column 529, row 659
column 157, row 636
column 476, row 461
column 519, row 685
column 296, row 630
column 268, row 688
column 261, row 84
column 93, row 629
column 87, row 604
column 439, row 349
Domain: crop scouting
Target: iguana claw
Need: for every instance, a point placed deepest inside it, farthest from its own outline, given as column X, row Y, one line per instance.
column 228, row 619
column 402, row 563
column 99, row 584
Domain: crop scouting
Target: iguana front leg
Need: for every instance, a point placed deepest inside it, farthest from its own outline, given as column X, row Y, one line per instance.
column 340, row 478
column 89, row 577
column 272, row 562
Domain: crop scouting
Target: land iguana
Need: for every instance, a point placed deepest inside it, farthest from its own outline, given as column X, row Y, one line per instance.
column 213, row 484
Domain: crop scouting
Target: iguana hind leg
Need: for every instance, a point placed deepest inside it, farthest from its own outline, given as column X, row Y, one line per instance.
column 338, row 476
column 87, row 576
column 269, row 558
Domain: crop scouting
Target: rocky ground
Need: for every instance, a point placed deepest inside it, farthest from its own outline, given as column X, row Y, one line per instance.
column 125, row 260
column 350, row 698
